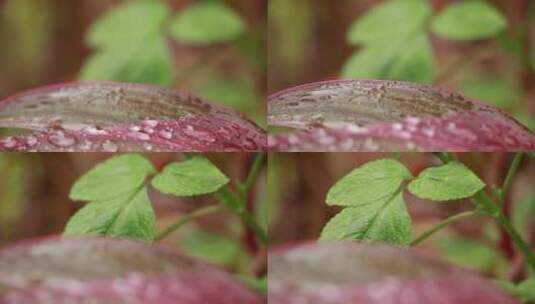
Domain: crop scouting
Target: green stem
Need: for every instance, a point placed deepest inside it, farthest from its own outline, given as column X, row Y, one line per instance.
column 255, row 171
column 484, row 201
column 199, row 213
column 443, row 224
column 237, row 205
column 510, row 175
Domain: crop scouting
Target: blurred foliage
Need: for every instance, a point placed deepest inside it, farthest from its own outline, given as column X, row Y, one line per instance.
column 483, row 48
column 193, row 45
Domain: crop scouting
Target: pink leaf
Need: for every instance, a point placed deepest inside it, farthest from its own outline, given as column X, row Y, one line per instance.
column 97, row 270
column 108, row 116
column 335, row 273
column 377, row 115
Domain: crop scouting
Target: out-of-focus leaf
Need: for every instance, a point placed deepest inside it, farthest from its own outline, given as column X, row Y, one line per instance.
column 372, row 182
column 116, row 177
column 129, row 25
column 257, row 284
column 149, row 62
column 500, row 92
column 391, row 21
column 377, row 115
column 207, row 22
column 98, row 270
column 107, row 116
column 469, row 20
column 448, row 182
column 522, row 213
column 470, row 253
column 211, row 247
column 194, row 176
column 525, row 291
column 325, row 273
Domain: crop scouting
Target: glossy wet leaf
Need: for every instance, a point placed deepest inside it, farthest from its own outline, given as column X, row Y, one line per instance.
column 194, row 176
column 126, row 216
column 207, row 22
column 371, row 182
column 392, row 20
column 97, row 270
column 376, row 115
column 116, row 177
column 448, row 182
column 385, row 220
column 469, row 20
column 110, row 116
column 325, row 273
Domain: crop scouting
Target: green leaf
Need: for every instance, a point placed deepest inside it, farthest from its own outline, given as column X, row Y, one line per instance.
column 129, row 25
column 374, row 181
column 114, row 178
column 149, row 62
column 390, row 21
column 385, row 220
column 415, row 62
column 500, row 91
column 525, row 291
column 469, row 20
column 194, row 176
column 448, row 182
column 127, row 216
column 470, row 254
column 207, row 22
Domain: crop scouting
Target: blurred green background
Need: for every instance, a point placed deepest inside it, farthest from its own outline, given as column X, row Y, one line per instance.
column 483, row 48
column 212, row 48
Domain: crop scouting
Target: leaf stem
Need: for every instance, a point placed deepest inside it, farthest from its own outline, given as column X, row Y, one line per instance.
column 485, row 202
column 442, row 224
column 510, row 174
column 255, row 171
column 199, row 213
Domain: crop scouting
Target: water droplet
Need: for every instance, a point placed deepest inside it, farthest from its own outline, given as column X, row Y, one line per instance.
column 150, row 123
column 397, row 127
column 61, row 140
column 165, row 134
column 31, row 141
column 134, row 129
column 138, row 135
column 9, row 142
column 199, row 134
column 148, row 147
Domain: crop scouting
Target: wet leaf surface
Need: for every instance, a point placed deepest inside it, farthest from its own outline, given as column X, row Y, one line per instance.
column 108, row 116
column 377, row 115
column 97, row 270
column 343, row 273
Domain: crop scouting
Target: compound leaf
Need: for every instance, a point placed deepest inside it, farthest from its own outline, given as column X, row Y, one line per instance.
column 194, row 176
column 372, row 182
column 114, row 178
column 207, row 22
column 469, row 20
column 448, row 182
column 127, row 216
column 385, row 220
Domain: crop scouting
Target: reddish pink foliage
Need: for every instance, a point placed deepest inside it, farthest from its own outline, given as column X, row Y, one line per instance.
column 96, row 270
column 390, row 116
column 106, row 116
column 347, row 273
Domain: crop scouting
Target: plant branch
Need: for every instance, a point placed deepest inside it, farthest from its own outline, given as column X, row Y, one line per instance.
column 510, row 175
column 199, row 213
column 443, row 224
column 255, row 171
column 485, row 202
